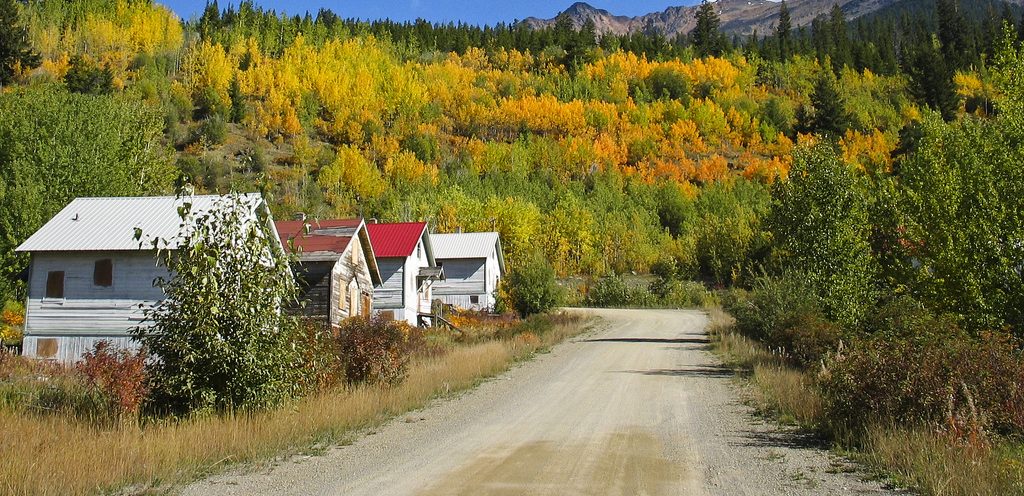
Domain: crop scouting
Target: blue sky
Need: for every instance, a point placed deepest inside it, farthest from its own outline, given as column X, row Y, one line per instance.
column 473, row 12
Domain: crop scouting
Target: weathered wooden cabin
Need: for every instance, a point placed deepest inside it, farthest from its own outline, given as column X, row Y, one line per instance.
column 407, row 270
column 89, row 279
column 337, row 269
column 473, row 266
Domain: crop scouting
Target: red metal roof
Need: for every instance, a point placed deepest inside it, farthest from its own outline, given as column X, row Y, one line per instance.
column 318, row 239
column 395, row 240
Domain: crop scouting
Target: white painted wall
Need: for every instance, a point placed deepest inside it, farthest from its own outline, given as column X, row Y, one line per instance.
column 399, row 294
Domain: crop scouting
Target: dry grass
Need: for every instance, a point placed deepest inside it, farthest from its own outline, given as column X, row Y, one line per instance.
column 780, row 390
column 934, row 465
column 788, row 394
column 58, row 455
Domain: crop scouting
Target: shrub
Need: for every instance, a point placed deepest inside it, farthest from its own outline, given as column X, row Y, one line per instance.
column 213, row 130
column 771, row 303
column 12, row 319
column 962, row 385
column 85, row 76
column 808, row 338
column 532, row 287
column 376, row 350
column 608, row 292
column 120, row 374
column 219, row 338
column 318, row 355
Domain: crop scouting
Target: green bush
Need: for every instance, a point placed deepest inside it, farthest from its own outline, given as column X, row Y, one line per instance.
column 212, row 131
column 376, row 350
column 532, row 287
column 771, row 303
column 219, row 339
column 608, row 292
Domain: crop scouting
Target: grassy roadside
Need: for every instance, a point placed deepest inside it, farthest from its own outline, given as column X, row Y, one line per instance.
column 920, row 458
column 57, row 455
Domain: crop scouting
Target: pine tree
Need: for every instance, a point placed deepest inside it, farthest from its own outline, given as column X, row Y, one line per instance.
column 783, row 32
column 15, row 49
column 830, row 117
column 706, row 38
column 840, row 51
column 956, row 48
column 931, row 78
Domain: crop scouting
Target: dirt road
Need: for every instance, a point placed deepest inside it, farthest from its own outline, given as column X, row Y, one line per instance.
column 638, row 407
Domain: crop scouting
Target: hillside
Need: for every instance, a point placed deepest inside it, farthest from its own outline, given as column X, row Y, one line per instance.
column 738, row 17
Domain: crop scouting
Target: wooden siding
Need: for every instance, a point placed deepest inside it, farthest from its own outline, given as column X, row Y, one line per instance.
column 87, row 308
column 390, row 294
column 89, row 313
column 464, row 276
column 314, row 280
column 69, row 349
column 351, row 266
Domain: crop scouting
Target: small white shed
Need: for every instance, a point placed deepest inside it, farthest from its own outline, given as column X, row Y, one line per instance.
column 407, row 268
column 89, row 280
column 473, row 265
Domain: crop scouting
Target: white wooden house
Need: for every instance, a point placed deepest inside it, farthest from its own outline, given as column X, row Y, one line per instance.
column 473, row 266
column 407, row 269
column 89, row 280
column 337, row 272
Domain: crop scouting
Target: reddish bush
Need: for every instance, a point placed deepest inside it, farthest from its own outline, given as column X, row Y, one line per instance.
column 376, row 350
column 808, row 338
column 119, row 374
column 960, row 384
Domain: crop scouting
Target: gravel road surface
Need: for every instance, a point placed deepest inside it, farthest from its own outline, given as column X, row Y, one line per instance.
column 637, row 407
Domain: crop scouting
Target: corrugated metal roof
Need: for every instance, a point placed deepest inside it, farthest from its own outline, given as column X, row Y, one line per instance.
column 324, row 237
column 108, row 224
column 467, row 245
column 397, row 239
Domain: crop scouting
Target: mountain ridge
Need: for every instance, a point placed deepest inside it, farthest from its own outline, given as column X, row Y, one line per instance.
column 738, row 17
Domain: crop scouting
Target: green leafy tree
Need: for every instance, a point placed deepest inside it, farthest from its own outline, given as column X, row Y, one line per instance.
column 15, row 49
column 56, row 146
column 532, row 287
column 219, row 338
column 963, row 197
column 821, row 226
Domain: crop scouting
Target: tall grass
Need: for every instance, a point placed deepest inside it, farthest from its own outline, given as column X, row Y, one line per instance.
column 56, row 454
column 927, row 460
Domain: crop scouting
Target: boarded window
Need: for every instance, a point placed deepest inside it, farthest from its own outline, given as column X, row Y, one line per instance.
column 46, row 347
column 103, row 273
column 367, row 305
column 55, row 284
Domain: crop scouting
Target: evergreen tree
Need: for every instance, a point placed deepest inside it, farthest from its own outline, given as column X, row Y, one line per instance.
column 952, row 31
column 830, row 117
column 783, row 32
column 14, row 45
column 840, row 51
column 706, row 38
column 931, row 78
